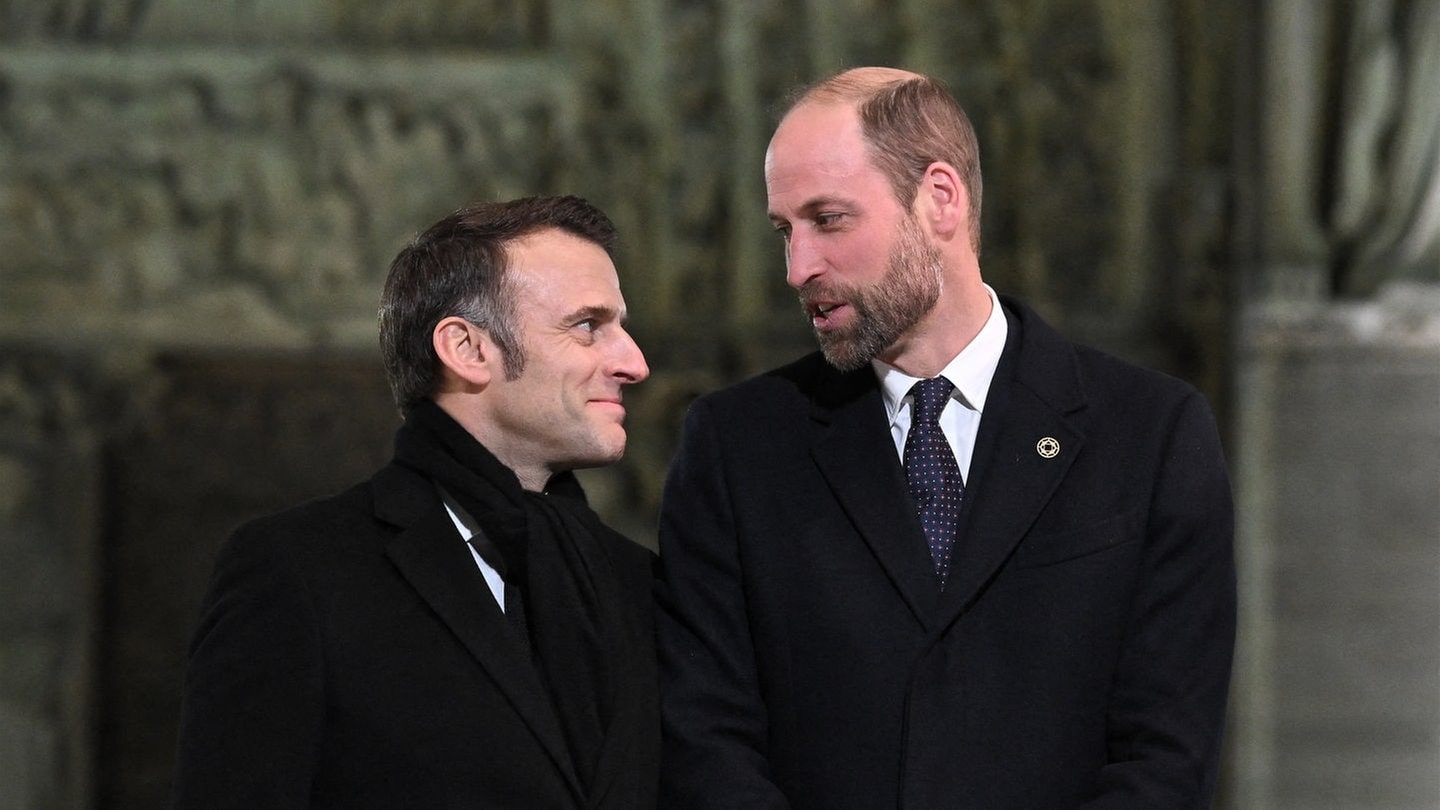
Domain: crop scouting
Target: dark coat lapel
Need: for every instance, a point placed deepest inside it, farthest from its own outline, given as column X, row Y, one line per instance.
column 1035, row 394
column 857, row 457
column 431, row 557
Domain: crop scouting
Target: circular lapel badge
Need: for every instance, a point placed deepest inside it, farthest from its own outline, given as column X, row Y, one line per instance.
column 1047, row 447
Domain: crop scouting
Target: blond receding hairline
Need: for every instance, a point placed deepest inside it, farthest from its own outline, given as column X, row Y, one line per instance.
column 854, row 86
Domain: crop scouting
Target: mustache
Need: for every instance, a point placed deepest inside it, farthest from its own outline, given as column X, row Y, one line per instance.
column 814, row 291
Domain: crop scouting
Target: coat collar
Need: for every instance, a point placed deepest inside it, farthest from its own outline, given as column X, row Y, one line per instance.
column 430, row 556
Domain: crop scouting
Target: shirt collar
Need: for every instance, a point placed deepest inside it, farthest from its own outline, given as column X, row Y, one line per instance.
column 970, row 371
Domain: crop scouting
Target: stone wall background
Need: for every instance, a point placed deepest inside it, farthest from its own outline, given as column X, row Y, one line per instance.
column 1335, row 698
column 198, row 203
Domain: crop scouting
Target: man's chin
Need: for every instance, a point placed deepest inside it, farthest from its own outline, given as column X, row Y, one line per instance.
column 597, row 460
column 612, row 450
column 842, row 353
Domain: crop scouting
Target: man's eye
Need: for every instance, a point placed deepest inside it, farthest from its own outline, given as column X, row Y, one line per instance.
column 823, row 221
column 587, row 325
column 784, row 231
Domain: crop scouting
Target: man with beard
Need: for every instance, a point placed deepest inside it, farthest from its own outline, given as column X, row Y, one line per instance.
column 953, row 560
column 459, row 631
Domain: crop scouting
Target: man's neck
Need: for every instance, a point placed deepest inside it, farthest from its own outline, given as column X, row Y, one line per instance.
column 941, row 335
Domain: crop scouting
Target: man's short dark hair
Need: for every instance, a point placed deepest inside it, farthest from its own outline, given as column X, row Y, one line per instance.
column 460, row 267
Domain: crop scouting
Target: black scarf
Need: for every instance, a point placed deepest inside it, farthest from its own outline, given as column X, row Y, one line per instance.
column 548, row 540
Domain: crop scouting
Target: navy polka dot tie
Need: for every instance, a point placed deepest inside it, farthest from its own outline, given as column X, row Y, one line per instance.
column 935, row 482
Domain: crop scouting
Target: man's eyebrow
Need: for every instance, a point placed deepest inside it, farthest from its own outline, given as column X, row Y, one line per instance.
column 596, row 312
column 810, row 206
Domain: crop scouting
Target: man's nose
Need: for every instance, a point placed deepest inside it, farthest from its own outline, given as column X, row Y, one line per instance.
column 630, row 365
column 803, row 261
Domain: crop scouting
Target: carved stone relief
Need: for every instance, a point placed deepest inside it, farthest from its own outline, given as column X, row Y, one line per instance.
column 467, row 24
column 265, row 191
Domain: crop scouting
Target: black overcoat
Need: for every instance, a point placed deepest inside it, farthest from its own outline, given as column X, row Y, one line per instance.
column 1079, row 655
column 350, row 655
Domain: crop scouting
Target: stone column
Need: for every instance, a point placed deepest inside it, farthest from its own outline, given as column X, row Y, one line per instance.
column 51, row 433
column 1337, row 401
column 1337, row 689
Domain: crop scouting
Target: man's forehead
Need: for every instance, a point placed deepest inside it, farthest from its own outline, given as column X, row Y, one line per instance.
column 553, row 262
column 812, row 124
column 817, row 137
column 818, row 153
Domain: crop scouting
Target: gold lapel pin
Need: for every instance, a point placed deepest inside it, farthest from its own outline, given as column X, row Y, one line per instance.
column 1047, row 447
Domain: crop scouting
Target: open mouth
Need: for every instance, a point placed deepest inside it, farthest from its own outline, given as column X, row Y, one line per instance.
column 822, row 313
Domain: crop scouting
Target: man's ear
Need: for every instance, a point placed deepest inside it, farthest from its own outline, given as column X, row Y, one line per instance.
column 466, row 351
column 943, row 201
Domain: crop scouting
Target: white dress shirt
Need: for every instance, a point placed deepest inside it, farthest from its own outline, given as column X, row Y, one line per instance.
column 970, row 372
column 468, row 529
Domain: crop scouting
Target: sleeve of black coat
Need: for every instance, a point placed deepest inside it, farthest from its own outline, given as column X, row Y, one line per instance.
column 253, row 703
column 714, row 719
column 1167, row 706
